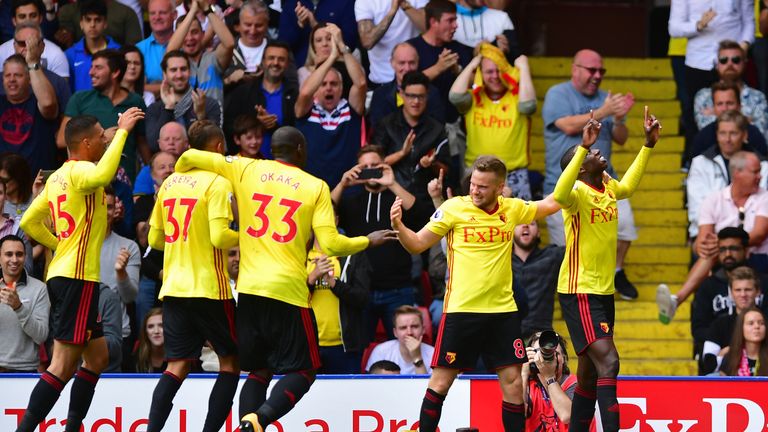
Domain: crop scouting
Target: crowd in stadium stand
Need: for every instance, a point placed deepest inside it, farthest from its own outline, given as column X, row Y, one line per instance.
column 407, row 92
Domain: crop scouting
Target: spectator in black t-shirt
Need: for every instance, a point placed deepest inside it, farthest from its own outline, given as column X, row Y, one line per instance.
column 365, row 209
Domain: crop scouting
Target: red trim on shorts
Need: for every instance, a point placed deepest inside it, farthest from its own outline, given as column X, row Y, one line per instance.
column 81, row 323
column 438, row 341
column 314, row 352
column 586, row 318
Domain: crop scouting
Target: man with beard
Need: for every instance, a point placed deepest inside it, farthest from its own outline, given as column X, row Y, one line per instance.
column 106, row 101
column 533, row 268
column 713, row 299
column 207, row 67
column 731, row 60
column 178, row 101
column 270, row 95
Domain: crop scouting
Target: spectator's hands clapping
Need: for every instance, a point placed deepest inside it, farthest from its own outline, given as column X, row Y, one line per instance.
column 614, row 105
column 705, row 19
column 304, row 16
column 269, row 121
column 129, row 118
column 448, row 59
column 10, row 297
column 167, row 95
column 198, row 103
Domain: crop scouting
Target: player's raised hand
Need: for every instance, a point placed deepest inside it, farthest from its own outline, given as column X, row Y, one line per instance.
column 652, row 128
column 378, row 238
column 129, row 118
column 591, row 131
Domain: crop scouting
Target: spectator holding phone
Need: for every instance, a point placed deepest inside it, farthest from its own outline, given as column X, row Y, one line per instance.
column 363, row 210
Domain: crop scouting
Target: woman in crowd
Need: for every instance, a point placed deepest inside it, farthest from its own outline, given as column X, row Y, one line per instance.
column 321, row 39
column 748, row 353
column 133, row 79
column 150, row 354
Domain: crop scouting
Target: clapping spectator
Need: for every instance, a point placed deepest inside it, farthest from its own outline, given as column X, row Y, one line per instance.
column 748, row 352
column 299, row 17
column 150, row 353
column 323, row 38
column 407, row 350
column 24, row 310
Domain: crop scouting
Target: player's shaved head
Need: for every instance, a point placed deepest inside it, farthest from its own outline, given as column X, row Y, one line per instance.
column 205, row 135
column 78, row 128
column 567, row 156
column 288, row 144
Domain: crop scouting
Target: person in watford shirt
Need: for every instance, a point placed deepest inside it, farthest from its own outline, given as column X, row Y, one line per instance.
column 73, row 198
column 479, row 313
column 586, row 285
column 496, row 111
column 279, row 206
column 190, row 223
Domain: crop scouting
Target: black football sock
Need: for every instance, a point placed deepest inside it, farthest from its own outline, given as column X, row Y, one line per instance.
column 41, row 401
column 80, row 398
column 220, row 401
column 253, row 394
column 284, row 396
column 582, row 410
column 162, row 401
column 512, row 416
column 609, row 406
column 431, row 407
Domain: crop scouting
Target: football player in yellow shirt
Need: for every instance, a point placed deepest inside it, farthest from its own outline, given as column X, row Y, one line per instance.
column 279, row 205
column 190, row 223
column 586, row 284
column 73, row 198
column 480, row 315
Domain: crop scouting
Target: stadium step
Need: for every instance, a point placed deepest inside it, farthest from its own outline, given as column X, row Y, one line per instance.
column 660, row 254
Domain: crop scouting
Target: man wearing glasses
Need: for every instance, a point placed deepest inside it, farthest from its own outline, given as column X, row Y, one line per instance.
column 566, row 110
column 730, row 67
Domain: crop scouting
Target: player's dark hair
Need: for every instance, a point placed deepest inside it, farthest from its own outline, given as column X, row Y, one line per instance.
column 11, row 237
column 384, row 365
column 172, row 54
column 17, row 168
column 245, row 123
column 488, row 163
column 567, row 156
column 93, row 7
column 734, row 232
column 371, row 148
column 78, row 128
column 744, row 273
column 724, row 86
column 415, row 78
column 115, row 61
column 436, row 8
column 203, row 133
column 19, row 3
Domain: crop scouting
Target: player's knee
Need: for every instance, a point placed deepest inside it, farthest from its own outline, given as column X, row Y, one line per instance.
column 96, row 363
column 609, row 365
column 229, row 364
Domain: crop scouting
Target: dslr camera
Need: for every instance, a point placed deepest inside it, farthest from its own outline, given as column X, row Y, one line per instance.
column 548, row 341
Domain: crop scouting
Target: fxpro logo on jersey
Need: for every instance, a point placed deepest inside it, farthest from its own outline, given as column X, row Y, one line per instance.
column 486, row 234
column 606, row 215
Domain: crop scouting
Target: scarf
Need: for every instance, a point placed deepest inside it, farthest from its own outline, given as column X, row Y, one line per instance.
column 506, row 70
column 744, row 369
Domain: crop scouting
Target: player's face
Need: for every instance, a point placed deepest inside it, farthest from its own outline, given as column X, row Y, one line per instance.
column 754, row 327
column 484, row 189
column 250, row 143
column 329, row 93
column 731, row 253
column 526, row 235
column 162, row 167
column 405, row 59
column 743, row 293
column 233, row 262
column 725, row 101
column 595, row 162
column 408, row 325
column 414, row 100
column 731, row 70
column 177, row 74
column 155, row 330
column 730, row 138
column 491, row 77
column 12, row 258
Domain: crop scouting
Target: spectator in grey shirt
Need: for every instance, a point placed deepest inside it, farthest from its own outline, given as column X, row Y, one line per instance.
column 24, row 309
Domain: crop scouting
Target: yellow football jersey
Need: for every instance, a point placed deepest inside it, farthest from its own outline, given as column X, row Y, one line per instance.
column 480, row 252
column 192, row 265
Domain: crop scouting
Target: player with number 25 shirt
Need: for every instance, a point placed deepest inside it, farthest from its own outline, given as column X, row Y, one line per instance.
column 279, row 206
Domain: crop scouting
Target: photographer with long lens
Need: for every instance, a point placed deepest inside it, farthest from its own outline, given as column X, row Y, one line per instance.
column 548, row 384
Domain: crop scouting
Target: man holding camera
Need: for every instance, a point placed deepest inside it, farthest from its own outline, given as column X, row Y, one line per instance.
column 362, row 210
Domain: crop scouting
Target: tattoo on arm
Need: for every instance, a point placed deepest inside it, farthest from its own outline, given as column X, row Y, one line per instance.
column 370, row 35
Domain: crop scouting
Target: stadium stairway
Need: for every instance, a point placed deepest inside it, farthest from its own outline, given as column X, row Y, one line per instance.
column 660, row 254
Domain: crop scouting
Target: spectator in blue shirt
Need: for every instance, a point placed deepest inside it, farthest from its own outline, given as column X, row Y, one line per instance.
column 93, row 23
column 162, row 14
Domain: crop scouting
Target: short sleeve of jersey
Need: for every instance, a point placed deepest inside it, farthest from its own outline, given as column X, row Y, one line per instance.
column 525, row 210
column 443, row 219
column 218, row 196
column 323, row 215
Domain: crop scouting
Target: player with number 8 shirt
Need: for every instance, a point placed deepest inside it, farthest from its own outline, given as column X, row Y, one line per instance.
column 279, row 206
column 73, row 198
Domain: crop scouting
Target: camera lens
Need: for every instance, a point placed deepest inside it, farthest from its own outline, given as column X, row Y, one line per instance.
column 548, row 344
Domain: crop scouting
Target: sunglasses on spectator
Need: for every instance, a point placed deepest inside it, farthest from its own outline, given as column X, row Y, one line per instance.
column 593, row 70
column 724, row 59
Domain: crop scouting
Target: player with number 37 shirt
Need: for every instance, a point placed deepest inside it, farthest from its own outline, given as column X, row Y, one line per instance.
column 279, row 206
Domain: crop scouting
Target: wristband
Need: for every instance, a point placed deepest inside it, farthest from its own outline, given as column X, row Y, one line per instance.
column 33, row 66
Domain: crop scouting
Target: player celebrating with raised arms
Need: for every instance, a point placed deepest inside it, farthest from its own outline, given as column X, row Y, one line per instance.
column 586, row 286
column 279, row 206
column 480, row 315
column 73, row 198
column 190, row 222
